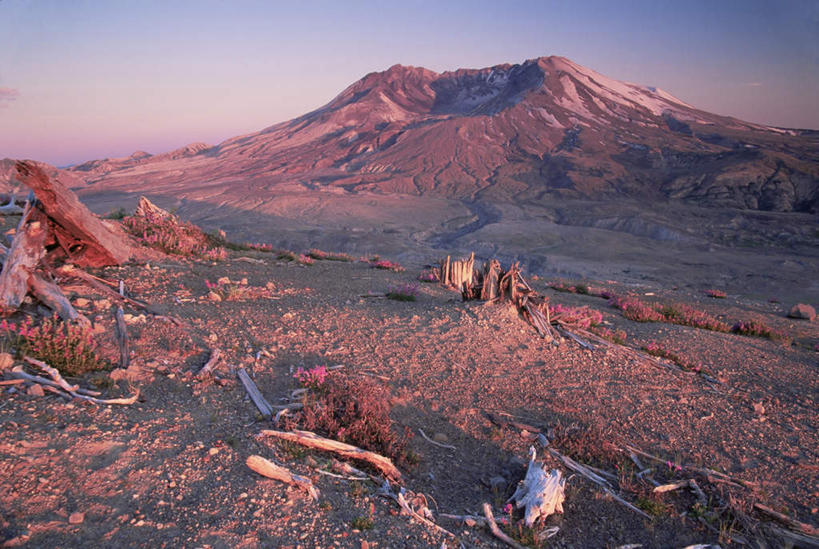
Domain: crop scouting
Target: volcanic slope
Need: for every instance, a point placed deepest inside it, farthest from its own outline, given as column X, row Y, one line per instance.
column 544, row 129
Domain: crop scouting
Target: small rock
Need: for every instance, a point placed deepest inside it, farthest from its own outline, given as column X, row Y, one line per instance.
column 213, row 451
column 309, row 460
column 35, row 390
column 440, row 437
column 223, row 280
column 470, row 522
column 759, row 408
column 802, row 311
column 243, row 282
column 81, row 302
column 213, row 296
column 6, row 360
column 102, row 304
column 76, row 518
column 118, row 373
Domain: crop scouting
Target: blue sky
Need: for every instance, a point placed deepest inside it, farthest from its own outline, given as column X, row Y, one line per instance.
column 90, row 79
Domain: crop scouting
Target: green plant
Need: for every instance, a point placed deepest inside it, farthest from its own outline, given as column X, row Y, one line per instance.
column 68, row 347
column 362, row 523
column 651, row 506
column 116, row 214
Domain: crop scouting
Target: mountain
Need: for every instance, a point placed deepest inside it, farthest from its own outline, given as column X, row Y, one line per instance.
column 534, row 132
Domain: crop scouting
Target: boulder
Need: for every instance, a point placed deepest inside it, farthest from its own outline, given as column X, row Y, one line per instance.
column 802, row 311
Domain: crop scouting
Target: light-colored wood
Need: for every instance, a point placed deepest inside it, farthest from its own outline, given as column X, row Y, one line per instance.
column 122, row 337
column 99, row 284
column 212, row 361
column 497, row 532
column 85, row 239
column 52, row 296
column 348, row 451
column 541, row 494
column 255, row 395
column 268, row 469
column 53, row 374
column 670, row 487
column 26, row 251
column 19, row 373
column 386, row 491
column 600, row 481
column 81, row 394
column 435, row 443
column 790, row 522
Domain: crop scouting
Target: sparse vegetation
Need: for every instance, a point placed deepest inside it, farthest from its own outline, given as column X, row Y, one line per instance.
column 387, row 265
column 716, row 294
column 329, row 256
column 582, row 317
column 430, row 275
column 403, row 292
column 615, row 336
column 354, row 410
column 116, row 214
column 68, row 347
column 173, row 236
column 758, row 329
column 655, row 349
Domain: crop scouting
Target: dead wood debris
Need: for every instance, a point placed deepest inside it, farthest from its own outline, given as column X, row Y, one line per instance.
column 269, row 469
column 386, row 491
column 57, row 384
column 312, row 440
column 541, row 494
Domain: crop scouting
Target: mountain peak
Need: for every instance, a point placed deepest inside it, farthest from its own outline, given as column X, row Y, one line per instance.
column 544, row 127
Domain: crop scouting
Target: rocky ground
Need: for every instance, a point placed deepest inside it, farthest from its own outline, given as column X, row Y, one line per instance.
column 170, row 469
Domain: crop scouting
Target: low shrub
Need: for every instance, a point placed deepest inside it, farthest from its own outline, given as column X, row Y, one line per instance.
column 68, row 347
column 259, row 246
column 403, row 292
column 655, row 349
column 387, row 265
column 582, row 317
column 716, row 294
column 116, row 214
column 350, row 409
column 615, row 336
column 636, row 310
column 173, row 236
column 329, row 256
column 758, row 329
column 685, row 315
column 430, row 275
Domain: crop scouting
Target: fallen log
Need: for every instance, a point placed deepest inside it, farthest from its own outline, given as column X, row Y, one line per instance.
column 348, row 451
column 26, row 251
column 212, row 361
column 99, row 284
column 122, row 337
column 255, row 395
column 603, row 483
column 80, row 394
column 81, row 234
column 50, row 295
column 794, row 524
column 268, row 469
column 497, row 532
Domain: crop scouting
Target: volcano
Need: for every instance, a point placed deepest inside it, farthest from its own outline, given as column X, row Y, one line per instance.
column 536, row 131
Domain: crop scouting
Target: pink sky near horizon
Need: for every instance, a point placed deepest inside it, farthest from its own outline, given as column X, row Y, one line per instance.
column 91, row 79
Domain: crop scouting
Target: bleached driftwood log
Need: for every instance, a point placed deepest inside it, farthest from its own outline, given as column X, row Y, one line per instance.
column 11, row 208
column 26, row 251
column 255, row 395
column 597, row 479
column 497, row 532
column 212, row 361
column 312, row 440
column 386, row 491
column 540, row 493
column 53, row 297
column 268, row 469
column 83, row 394
column 80, row 233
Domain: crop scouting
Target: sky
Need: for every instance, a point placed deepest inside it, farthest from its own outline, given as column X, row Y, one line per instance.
column 82, row 80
